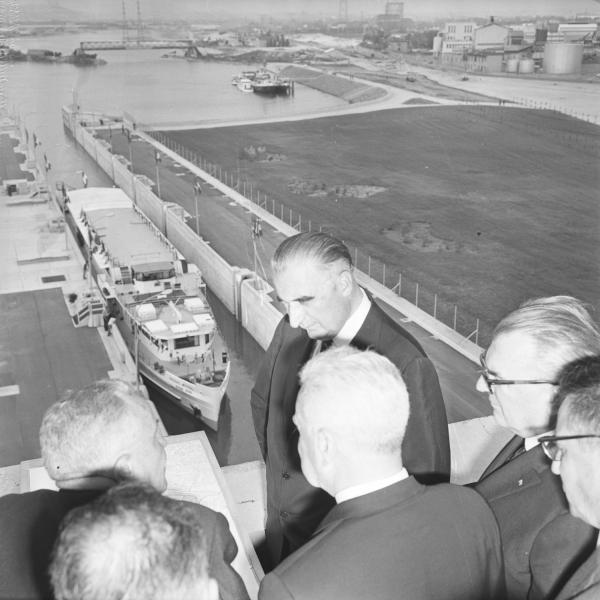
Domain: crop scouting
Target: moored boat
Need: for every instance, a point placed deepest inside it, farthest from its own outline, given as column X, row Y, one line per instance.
column 155, row 298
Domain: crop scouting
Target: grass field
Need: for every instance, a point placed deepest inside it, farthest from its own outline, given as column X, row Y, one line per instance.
column 485, row 206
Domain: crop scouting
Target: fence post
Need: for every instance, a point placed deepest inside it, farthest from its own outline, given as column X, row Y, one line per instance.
column 273, row 211
column 455, row 311
column 282, row 212
column 383, row 278
column 477, row 334
column 435, row 306
column 369, row 265
column 309, row 227
column 400, row 284
column 290, row 217
column 417, row 295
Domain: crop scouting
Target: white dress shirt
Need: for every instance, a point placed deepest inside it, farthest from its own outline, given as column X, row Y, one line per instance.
column 352, row 326
column 362, row 489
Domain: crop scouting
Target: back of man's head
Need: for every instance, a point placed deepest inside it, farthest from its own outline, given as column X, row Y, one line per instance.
column 360, row 400
column 560, row 326
column 576, row 449
column 105, row 430
column 132, row 543
column 316, row 247
column 579, row 395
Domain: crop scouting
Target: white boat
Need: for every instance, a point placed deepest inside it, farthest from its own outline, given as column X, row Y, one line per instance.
column 156, row 298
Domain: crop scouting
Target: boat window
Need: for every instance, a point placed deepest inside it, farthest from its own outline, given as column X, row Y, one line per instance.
column 154, row 275
column 186, row 342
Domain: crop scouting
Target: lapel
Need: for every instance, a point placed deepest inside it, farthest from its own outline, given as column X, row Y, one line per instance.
column 504, row 456
column 369, row 334
column 375, row 502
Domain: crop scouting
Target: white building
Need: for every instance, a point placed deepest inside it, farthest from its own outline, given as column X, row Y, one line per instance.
column 457, row 37
column 491, row 37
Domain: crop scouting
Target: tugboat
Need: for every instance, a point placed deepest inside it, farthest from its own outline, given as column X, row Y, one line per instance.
column 272, row 86
column 155, row 298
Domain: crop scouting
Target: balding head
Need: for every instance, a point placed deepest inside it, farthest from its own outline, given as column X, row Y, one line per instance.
column 355, row 403
column 132, row 543
column 105, row 430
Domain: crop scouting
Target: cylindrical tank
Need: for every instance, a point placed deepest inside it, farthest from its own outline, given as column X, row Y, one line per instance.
column 526, row 65
column 512, row 65
column 561, row 58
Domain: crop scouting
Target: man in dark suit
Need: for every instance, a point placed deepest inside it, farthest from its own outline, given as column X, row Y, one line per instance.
column 543, row 544
column 133, row 542
column 575, row 454
column 91, row 440
column 313, row 277
column 388, row 535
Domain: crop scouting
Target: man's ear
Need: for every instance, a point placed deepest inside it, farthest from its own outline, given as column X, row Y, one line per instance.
column 123, row 468
column 324, row 445
column 345, row 282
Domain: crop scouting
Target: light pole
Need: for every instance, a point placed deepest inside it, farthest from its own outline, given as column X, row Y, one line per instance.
column 157, row 159
column 197, row 192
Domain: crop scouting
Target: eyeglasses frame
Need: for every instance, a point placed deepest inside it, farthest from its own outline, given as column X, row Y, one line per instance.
column 490, row 382
column 546, row 440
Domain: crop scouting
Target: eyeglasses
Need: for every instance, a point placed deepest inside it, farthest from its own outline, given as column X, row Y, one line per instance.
column 551, row 449
column 490, row 380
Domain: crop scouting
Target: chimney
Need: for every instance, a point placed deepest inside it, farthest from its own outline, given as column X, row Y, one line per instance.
column 492, row 19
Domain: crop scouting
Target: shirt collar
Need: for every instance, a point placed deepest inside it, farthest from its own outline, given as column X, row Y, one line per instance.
column 354, row 322
column 371, row 486
column 532, row 442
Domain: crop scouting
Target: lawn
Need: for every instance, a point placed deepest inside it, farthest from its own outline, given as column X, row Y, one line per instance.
column 484, row 206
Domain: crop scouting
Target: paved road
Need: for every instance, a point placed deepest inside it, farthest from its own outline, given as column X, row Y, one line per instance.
column 44, row 355
column 227, row 226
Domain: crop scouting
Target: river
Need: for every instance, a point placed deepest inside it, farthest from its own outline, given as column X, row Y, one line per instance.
column 157, row 91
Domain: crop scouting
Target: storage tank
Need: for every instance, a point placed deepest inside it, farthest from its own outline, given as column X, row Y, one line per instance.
column 561, row 58
column 526, row 65
column 512, row 65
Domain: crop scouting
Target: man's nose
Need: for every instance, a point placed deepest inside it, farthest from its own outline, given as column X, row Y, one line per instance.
column 295, row 313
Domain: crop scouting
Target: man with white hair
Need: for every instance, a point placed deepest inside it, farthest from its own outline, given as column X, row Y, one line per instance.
column 91, row 440
column 133, row 543
column 543, row 544
column 575, row 453
column 388, row 535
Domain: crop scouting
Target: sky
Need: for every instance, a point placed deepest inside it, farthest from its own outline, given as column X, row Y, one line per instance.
column 415, row 9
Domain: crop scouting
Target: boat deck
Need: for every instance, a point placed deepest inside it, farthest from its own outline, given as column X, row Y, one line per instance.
column 127, row 235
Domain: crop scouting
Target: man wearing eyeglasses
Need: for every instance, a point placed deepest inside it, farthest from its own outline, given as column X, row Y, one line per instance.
column 543, row 544
column 575, row 455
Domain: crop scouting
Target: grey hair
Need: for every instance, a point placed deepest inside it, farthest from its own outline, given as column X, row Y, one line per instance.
column 561, row 326
column 77, row 430
column 579, row 392
column 131, row 543
column 360, row 395
column 321, row 248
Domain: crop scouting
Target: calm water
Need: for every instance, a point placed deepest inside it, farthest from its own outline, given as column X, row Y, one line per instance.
column 156, row 91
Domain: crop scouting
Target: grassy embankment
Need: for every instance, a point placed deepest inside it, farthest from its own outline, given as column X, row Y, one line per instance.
column 486, row 206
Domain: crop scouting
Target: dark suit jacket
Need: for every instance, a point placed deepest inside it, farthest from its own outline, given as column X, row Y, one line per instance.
column 585, row 584
column 543, row 544
column 294, row 507
column 404, row 541
column 29, row 525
